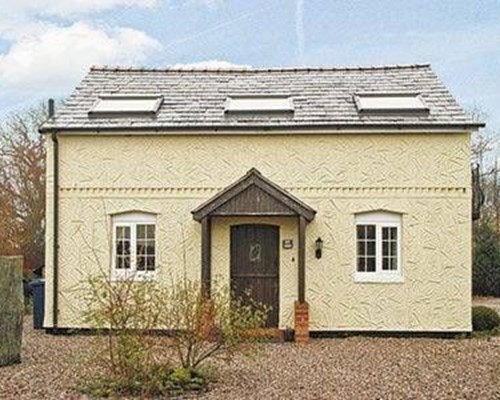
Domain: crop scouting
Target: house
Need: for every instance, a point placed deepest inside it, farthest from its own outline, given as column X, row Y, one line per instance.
column 341, row 196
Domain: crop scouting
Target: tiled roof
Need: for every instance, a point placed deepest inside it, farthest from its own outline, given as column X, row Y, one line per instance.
column 322, row 98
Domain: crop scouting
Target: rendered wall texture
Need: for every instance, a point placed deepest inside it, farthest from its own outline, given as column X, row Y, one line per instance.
column 426, row 177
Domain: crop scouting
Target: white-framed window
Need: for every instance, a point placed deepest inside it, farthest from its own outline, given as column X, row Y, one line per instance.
column 390, row 102
column 134, row 245
column 126, row 105
column 267, row 103
column 378, row 247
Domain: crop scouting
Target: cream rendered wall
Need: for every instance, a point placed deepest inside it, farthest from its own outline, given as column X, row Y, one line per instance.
column 424, row 176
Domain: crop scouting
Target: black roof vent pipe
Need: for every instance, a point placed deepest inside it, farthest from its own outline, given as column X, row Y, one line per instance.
column 51, row 108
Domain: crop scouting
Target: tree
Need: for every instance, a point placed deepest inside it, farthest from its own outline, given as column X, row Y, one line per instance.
column 22, row 186
column 486, row 268
column 486, row 231
column 484, row 152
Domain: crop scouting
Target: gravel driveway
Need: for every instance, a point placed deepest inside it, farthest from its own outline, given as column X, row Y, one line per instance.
column 352, row 368
column 368, row 368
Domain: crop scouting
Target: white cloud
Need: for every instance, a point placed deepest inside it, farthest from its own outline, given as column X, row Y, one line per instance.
column 211, row 64
column 51, row 46
column 53, row 58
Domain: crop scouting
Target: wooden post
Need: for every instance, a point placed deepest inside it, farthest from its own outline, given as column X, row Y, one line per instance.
column 206, row 246
column 301, row 308
column 11, row 309
column 302, row 258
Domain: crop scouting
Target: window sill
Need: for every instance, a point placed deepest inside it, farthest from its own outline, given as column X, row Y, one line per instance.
column 142, row 276
column 372, row 277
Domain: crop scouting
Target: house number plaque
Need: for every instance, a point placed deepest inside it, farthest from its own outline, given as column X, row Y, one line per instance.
column 287, row 244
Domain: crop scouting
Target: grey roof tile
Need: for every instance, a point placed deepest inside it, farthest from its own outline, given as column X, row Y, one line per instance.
column 322, row 97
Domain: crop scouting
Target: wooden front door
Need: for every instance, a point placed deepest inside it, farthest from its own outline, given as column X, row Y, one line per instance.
column 255, row 266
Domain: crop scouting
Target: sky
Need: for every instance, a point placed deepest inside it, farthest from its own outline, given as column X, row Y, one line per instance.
column 46, row 46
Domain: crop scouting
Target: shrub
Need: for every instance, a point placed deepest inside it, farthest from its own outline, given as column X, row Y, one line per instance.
column 124, row 312
column 484, row 318
column 210, row 329
column 486, row 263
column 132, row 360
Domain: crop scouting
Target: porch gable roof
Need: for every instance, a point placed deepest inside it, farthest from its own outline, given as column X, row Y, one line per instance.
column 253, row 195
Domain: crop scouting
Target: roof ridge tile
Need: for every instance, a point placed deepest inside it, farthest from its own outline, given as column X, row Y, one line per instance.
column 111, row 68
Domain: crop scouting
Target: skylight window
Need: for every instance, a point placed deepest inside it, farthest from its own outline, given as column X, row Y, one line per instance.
column 126, row 105
column 259, row 104
column 390, row 102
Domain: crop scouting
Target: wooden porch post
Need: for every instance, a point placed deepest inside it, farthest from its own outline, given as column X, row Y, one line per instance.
column 302, row 257
column 206, row 246
column 301, row 307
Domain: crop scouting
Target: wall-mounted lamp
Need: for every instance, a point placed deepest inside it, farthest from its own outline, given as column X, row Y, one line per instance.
column 319, row 247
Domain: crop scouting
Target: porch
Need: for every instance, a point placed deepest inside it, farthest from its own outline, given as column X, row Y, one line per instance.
column 259, row 229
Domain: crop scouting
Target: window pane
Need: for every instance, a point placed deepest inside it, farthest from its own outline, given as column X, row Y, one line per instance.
column 370, row 232
column 361, row 264
column 122, row 247
column 259, row 103
column 150, row 247
column 360, row 229
column 141, row 263
column 400, row 102
column 366, row 248
column 150, row 263
column 141, row 247
column 145, row 247
column 123, row 232
column 141, row 232
column 370, row 264
column 126, row 247
column 122, row 262
column 389, row 248
column 394, row 248
column 361, row 248
column 150, row 231
column 126, row 105
column 370, row 248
